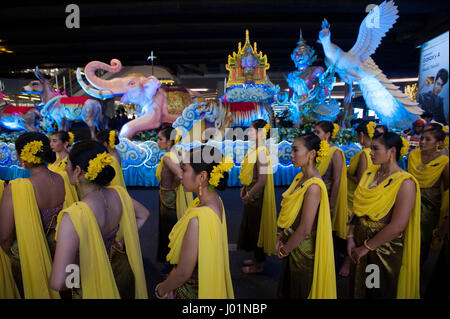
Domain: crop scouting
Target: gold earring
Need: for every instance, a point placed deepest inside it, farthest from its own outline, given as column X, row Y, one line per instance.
column 199, row 190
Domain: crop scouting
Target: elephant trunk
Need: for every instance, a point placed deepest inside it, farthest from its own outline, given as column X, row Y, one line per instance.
column 114, row 85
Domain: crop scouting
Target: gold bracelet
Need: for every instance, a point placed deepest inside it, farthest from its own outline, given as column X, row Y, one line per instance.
column 367, row 246
column 158, row 295
column 350, row 236
column 281, row 253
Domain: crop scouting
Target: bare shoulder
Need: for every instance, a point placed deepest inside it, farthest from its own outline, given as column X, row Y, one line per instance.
column 313, row 190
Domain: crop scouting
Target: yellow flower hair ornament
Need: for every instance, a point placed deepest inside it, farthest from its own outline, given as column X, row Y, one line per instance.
column 112, row 139
column 217, row 173
column 405, row 147
column 71, row 138
column 28, row 153
column 97, row 164
column 178, row 136
column 266, row 129
column 445, row 129
column 371, row 128
column 323, row 151
column 335, row 131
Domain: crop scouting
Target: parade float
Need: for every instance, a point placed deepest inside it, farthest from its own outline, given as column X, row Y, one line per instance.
column 248, row 95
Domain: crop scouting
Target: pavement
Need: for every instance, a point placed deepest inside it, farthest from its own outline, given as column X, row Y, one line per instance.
column 253, row 286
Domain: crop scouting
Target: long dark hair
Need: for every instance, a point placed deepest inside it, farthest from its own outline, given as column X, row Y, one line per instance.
column 83, row 152
column 311, row 141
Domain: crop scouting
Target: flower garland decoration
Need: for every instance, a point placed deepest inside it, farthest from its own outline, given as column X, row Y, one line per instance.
column 30, row 150
column 405, row 147
column 323, row 151
column 178, row 136
column 335, row 131
column 112, row 139
column 371, row 129
column 97, row 164
column 71, row 138
column 217, row 173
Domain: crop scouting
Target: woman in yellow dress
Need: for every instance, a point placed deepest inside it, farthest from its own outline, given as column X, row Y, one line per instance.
column 358, row 165
column 258, row 226
column 173, row 200
column 59, row 143
column 384, row 235
column 306, row 241
column 92, row 233
column 28, row 213
column 333, row 170
column 110, row 139
column 198, row 242
column 430, row 167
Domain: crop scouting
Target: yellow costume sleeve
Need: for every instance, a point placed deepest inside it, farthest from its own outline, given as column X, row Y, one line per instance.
column 426, row 174
column 132, row 244
column 35, row 259
column 340, row 214
column 97, row 279
column 8, row 288
column 118, row 179
column 351, row 170
column 324, row 277
column 268, row 228
column 376, row 203
column 214, row 277
column 184, row 199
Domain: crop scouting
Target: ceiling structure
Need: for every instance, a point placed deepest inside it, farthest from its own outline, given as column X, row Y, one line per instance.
column 192, row 39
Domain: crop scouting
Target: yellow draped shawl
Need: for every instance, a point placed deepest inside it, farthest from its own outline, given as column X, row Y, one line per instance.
column 214, row 279
column 58, row 167
column 430, row 172
column 35, row 259
column 184, row 199
column 118, row 179
column 351, row 170
column 97, row 277
column 71, row 191
column 8, row 288
column 340, row 214
column 324, row 277
column 376, row 203
column 268, row 228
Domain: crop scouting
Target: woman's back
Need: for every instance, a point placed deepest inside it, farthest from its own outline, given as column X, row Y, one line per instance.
column 107, row 208
column 49, row 189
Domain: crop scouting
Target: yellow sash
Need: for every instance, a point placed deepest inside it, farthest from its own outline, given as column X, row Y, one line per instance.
column 183, row 198
column 128, row 228
column 214, row 279
column 35, row 259
column 58, row 167
column 8, row 288
column 376, row 203
column 324, row 278
column 71, row 191
column 426, row 174
column 351, row 170
column 268, row 229
column 95, row 269
column 118, row 178
column 340, row 214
